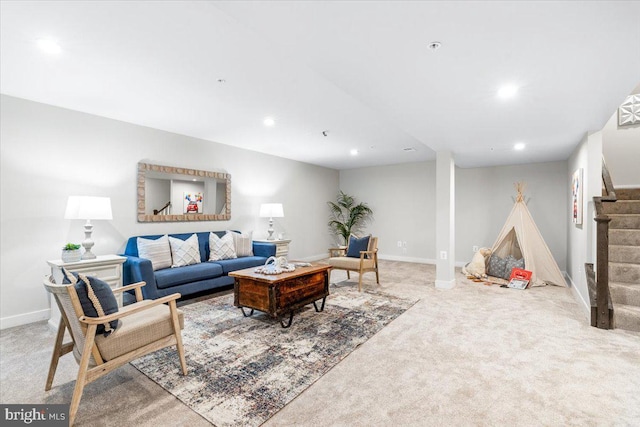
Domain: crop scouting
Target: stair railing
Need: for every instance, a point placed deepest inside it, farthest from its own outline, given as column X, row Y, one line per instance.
column 159, row 211
column 598, row 281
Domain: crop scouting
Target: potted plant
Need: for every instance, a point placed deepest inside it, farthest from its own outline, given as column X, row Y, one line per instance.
column 71, row 253
column 346, row 216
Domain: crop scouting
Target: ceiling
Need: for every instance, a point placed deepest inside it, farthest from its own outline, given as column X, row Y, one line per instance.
column 361, row 72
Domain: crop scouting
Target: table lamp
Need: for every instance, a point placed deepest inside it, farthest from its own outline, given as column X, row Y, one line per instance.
column 88, row 207
column 271, row 210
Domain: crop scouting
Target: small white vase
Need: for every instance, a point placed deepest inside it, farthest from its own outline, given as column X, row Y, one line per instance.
column 71, row 256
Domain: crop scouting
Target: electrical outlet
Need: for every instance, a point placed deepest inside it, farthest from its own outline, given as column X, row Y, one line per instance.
column 443, row 254
column 476, row 249
column 399, row 243
column 404, row 244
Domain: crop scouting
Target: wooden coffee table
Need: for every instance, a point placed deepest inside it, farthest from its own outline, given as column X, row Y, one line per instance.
column 281, row 294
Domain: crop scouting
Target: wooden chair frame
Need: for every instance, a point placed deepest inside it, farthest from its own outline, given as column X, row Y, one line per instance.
column 361, row 269
column 87, row 374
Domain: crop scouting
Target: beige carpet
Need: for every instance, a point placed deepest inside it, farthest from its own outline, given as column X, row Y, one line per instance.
column 473, row 355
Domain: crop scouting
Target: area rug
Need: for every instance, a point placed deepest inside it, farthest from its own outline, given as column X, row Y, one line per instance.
column 242, row 370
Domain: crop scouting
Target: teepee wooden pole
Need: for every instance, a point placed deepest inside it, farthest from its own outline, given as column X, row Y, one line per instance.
column 520, row 190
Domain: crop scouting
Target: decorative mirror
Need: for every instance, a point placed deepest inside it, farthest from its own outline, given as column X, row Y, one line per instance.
column 170, row 194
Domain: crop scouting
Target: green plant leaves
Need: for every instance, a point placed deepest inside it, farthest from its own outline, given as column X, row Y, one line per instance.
column 347, row 216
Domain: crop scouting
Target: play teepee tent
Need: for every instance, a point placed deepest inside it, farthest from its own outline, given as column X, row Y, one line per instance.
column 521, row 238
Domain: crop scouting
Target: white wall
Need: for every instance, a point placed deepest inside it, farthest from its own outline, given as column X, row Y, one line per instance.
column 403, row 196
column 581, row 238
column 621, row 149
column 485, row 197
column 49, row 153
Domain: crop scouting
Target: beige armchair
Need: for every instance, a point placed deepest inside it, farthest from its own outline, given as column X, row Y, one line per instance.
column 368, row 261
column 145, row 326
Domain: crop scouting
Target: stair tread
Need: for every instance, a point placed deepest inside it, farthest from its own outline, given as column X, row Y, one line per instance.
column 625, row 285
column 631, row 309
column 623, row 264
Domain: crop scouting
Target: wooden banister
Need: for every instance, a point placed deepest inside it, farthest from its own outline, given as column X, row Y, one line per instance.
column 598, row 282
column 608, row 183
column 159, row 211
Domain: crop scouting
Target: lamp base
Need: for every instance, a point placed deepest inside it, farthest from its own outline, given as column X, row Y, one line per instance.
column 87, row 244
column 270, row 230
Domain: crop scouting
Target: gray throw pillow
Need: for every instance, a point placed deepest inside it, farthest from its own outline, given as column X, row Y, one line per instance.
column 497, row 266
column 511, row 263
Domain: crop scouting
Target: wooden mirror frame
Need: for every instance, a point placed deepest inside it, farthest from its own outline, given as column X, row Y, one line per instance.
column 143, row 168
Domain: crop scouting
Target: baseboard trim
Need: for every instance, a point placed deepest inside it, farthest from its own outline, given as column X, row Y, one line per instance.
column 24, row 319
column 313, row 258
column 584, row 305
column 445, row 284
column 385, row 257
column 406, row 259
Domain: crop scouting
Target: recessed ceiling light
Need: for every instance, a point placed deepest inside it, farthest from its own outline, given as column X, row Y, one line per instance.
column 353, row 152
column 49, row 46
column 507, row 91
column 435, row 45
column 268, row 121
column 519, row 146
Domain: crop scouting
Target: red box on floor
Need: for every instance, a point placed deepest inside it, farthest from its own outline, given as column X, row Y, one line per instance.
column 520, row 274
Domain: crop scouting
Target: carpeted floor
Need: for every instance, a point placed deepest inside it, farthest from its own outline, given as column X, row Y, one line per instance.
column 244, row 370
column 473, row 355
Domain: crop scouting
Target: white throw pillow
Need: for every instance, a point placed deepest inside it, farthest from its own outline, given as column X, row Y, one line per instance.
column 243, row 243
column 185, row 252
column 158, row 251
column 221, row 247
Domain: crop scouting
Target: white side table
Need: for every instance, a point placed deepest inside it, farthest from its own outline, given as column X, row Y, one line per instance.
column 105, row 267
column 282, row 246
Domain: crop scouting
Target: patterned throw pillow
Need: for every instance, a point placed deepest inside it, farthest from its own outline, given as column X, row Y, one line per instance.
column 184, row 252
column 158, row 251
column 242, row 243
column 496, row 266
column 511, row 263
column 221, row 247
column 357, row 244
column 96, row 298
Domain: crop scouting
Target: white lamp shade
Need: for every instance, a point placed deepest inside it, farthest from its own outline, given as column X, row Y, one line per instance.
column 271, row 210
column 88, row 207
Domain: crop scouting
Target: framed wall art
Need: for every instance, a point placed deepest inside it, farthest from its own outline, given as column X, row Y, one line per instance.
column 629, row 111
column 576, row 196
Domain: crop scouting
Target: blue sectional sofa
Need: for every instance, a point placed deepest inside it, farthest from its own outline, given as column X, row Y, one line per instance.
column 190, row 279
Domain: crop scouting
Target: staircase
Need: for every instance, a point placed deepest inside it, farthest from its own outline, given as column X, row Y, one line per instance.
column 624, row 258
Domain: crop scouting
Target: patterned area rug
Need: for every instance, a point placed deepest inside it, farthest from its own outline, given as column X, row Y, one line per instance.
column 244, row 370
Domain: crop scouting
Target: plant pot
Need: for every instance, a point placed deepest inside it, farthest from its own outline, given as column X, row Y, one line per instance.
column 71, row 256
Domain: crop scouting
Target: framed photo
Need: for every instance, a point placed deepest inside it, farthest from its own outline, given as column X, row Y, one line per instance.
column 576, row 197
column 192, row 203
